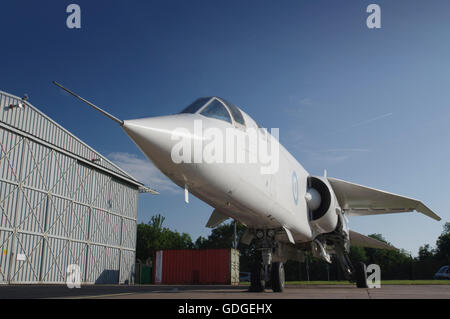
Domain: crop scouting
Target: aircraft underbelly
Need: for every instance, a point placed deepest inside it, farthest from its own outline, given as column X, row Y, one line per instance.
column 258, row 201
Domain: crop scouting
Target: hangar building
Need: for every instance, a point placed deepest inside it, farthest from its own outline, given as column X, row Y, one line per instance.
column 61, row 203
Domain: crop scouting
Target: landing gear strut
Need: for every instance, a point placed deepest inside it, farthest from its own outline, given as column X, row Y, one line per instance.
column 267, row 272
column 356, row 274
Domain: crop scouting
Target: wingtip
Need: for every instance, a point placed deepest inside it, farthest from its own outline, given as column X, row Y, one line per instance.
column 421, row 208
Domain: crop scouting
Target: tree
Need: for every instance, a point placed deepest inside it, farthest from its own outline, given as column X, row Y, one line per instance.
column 429, row 259
column 380, row 238
column 394, row 264
column 221, row 237
column 153, row 236
column 443, row 245
column 157, row 221
column 447, row 228
column 201, row 242
column 357, row 254
column 426, row 252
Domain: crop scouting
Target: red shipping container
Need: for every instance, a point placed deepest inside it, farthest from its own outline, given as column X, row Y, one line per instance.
column 196, row 267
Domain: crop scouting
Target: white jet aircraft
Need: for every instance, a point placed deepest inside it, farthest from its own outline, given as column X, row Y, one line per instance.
column 287, row 212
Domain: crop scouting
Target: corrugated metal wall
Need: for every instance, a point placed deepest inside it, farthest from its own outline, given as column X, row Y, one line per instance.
column 187, row 266
column 57, row 208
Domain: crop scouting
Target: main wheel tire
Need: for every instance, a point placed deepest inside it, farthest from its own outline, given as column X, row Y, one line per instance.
column 277, row 277
column 257, row 282
column 268, row 283
column 361, row 275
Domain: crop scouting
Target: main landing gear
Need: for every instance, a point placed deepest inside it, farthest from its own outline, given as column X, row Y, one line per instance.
column 268, row 272
column 356, row 273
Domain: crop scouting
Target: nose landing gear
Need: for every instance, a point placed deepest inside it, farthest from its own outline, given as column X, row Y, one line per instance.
column 257, row 279
column 267, row 273
column 272, row 278
column 277, row 276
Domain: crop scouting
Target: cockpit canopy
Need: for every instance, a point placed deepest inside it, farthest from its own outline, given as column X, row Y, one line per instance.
column 216, row 107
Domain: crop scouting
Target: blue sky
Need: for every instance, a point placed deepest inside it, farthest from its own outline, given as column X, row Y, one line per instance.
column 370, row 106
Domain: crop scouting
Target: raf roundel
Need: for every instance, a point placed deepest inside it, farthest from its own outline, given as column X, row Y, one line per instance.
column 295, row 187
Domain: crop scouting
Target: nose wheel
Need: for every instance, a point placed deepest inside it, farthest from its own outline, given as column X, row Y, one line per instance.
column 277, row 277
column 257, row 279
column 267, row 277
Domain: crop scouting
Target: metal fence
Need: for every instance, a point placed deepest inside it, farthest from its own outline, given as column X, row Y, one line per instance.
column 58, row 207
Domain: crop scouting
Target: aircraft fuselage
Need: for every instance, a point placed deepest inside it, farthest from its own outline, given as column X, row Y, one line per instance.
column 238, row 190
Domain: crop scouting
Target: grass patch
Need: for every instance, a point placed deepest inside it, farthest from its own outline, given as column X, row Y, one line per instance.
column 415, row 282
column 324, row 282
column 383, row 282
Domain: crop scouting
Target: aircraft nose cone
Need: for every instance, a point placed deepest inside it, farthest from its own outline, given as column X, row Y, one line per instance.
column 156, row 136
column 151, row 135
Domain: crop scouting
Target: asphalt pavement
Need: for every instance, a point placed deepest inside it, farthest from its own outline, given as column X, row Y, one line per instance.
column 223, row 292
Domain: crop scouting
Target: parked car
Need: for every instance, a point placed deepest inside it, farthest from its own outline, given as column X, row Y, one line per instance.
column 442, row 273
column 244, row 276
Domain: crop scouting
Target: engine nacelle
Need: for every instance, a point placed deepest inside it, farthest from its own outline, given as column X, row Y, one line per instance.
column 322, row 204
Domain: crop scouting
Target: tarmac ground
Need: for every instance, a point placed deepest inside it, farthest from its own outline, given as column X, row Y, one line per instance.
column 223, row 292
